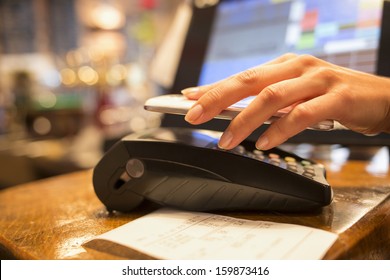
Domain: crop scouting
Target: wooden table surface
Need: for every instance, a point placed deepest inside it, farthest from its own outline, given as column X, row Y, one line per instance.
column 53, row 218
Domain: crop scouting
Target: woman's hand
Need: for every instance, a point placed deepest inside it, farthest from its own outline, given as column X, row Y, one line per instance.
column 315, row 90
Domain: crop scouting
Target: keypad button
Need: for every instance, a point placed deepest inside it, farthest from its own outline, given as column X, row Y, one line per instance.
column 292, row 166
column 311, row 172
column 309, row 168
column 275, row 161
column 298, row 166
column 250, row 155
column 239, row 150
column 259, row 154
column 290, row 159
column 308, row 175
column 273, row 156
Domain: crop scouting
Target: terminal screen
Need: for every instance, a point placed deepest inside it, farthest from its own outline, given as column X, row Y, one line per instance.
column 251, row 32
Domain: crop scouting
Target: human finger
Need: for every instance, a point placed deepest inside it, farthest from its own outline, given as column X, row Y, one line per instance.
column 196, row 92
column 267, row 103
column 303, row 115
column 247, row 83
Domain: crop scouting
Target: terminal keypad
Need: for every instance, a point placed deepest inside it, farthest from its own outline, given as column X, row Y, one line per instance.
column 309, row 169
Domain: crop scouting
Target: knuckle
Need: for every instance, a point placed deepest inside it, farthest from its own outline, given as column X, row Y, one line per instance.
column 346, row 96
column 272, row 93
column 303, row 111
column 213, row 96
column 325, row 72
column 328, row 75
column 248, row 76
column 307, row 60
column 288, row 56
column 212, row 100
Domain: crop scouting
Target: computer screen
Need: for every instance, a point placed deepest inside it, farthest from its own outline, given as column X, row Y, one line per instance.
column 234, row 35
column 251, row 32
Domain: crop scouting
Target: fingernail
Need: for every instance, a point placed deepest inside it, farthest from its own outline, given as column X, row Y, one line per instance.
column 262, row 143
column 194, row 113
column 190, row 91
column 225, row 140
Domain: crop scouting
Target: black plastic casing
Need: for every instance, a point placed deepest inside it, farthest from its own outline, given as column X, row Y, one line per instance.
column 181, row 173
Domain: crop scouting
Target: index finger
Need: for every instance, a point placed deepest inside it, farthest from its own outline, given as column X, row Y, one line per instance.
column 244, row 84
column 197, row 92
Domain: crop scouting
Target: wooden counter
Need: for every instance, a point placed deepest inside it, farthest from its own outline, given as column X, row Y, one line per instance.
column 52, row 218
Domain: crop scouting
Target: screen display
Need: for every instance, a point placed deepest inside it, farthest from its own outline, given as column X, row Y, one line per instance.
column 251, row 32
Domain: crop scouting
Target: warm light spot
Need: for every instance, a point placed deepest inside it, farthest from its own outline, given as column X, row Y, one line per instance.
column 107, row 17
column 68, row 77
column 116, row 74
column 88, row 75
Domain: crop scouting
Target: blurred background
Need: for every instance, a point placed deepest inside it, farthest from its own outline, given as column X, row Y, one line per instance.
column 74, row 75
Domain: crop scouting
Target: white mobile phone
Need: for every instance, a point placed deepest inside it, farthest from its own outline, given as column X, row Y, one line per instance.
column 179, row 104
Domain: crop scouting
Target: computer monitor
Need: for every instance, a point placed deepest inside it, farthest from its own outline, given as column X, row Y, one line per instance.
column 233, row 35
